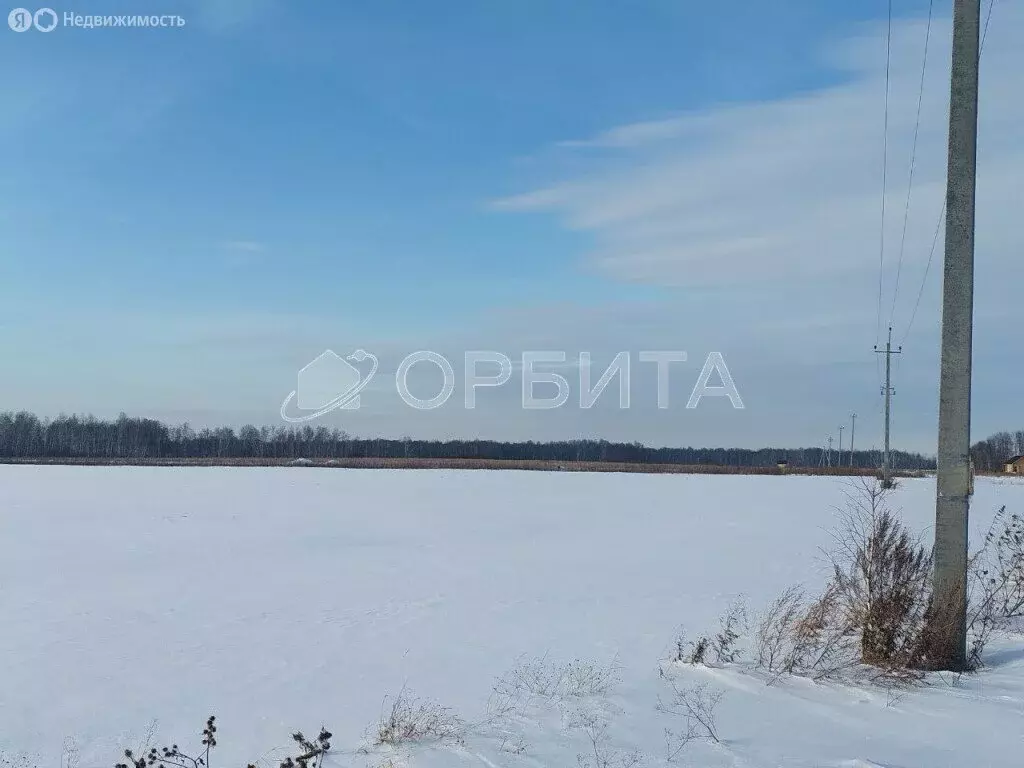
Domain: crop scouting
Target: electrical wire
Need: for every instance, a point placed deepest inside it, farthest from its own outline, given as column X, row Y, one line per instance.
column 913, row 161
column 942, row 213
column 885, row 164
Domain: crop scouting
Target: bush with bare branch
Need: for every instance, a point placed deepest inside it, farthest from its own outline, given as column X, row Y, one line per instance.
column 409, row 719
column 724, row 645
column 695, row 705
column 733, row 624
column 543, row 681
column 773, row 641
column 873, row 610
column 602, row 752
column 877, row 610
column 996, row 576
column 691, row 651
column 311, row 752
column 882, row 579
column 811, row 638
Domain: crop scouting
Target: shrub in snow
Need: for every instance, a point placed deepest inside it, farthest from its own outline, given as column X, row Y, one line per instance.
column 873, row 611
column 733, row 625
column 695, row 705
column 540, row 681
column 409, row 719
column 602, row 753
column 808, row 637
column 881, row 581
column 693, row 651
column 585, row 678
column 578, row 689
column 724, row 645
column 996, row 572
column 876, row 609
column 311, row 753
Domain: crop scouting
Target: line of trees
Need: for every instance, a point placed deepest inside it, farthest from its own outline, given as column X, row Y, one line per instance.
column 991, row 453
column 26, row 436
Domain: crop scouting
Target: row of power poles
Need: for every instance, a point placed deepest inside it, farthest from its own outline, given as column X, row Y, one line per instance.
column 826, row 457
column 887, row 393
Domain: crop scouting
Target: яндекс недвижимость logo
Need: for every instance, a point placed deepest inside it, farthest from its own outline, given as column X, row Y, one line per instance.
column 22, row 19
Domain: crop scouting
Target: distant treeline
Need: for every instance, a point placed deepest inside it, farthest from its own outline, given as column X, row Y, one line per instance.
column 991, row 454
column 25, row 436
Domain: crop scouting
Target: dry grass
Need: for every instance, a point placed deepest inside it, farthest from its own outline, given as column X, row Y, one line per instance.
column 602, row 753
column 409, row 719
column 882, row 580
column 996, row 582
column 543, row 682
column 462, row 463
column 723, row 645
column 873, row 615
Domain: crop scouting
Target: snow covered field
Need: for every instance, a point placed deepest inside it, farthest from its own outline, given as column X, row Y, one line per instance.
column 282, row 599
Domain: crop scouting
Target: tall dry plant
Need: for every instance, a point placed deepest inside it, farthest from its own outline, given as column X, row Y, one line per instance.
column 881, row 578
column 996, row 582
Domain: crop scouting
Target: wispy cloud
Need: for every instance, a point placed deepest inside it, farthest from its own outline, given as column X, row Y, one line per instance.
column 790, row 189
column 635, row 134
column 767, row 216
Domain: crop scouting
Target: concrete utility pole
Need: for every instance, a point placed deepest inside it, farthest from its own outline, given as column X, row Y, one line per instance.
column 954, row 469
column 888, row 392
column 829, row 454
column 839, row 461
column 853, row 432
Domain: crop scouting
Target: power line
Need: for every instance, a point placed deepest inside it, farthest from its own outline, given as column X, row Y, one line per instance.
column 942, row 212
column 913, row 160
column 984, row 32
column 928, row 266
column 885, row 164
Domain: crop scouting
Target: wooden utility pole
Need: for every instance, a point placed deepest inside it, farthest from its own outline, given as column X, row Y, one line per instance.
column 949, row 621
column 888, row 392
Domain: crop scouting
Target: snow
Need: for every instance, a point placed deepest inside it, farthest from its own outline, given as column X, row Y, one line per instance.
column 280, row 600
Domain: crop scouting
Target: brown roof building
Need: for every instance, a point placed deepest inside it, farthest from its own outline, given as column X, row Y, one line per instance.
column 1014, row 465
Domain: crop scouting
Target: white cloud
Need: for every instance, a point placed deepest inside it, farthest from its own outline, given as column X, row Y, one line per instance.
column 762, row 219
column 790, row 189
column 765, row 217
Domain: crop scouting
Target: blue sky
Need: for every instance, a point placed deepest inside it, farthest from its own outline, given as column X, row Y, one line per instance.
column 191, row 214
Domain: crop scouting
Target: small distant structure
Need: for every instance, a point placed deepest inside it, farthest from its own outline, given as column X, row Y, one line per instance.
column 1014, row 465
column 783, row 466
